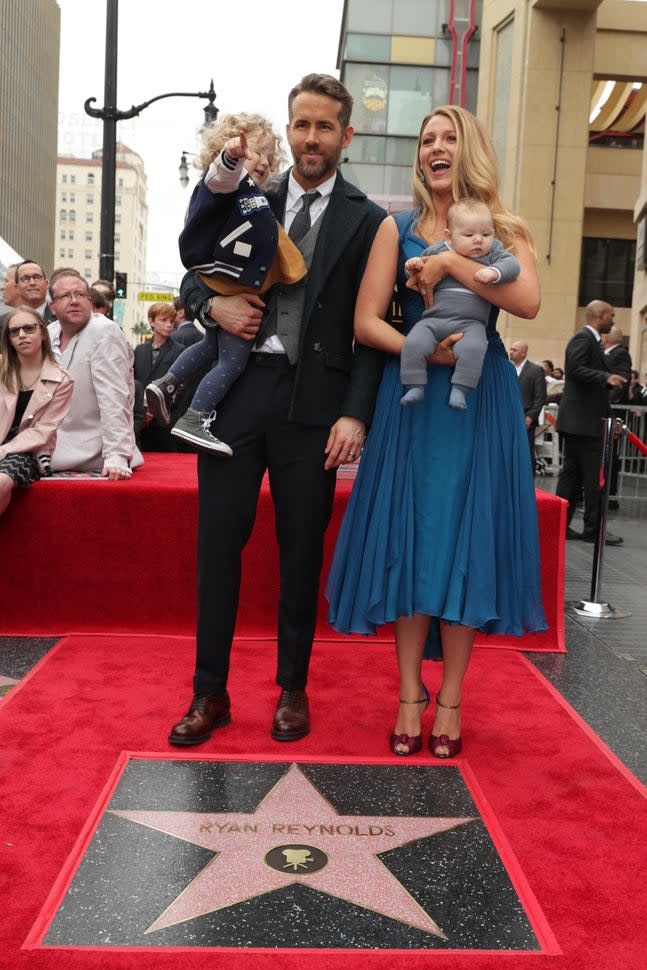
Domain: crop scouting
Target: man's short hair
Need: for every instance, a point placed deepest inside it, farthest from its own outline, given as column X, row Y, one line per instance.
column 331, row 87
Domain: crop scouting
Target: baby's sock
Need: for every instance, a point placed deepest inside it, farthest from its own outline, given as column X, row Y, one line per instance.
column 457, row 397
column 415, row 393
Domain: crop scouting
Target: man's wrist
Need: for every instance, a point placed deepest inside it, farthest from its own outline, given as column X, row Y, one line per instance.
column 204, row 313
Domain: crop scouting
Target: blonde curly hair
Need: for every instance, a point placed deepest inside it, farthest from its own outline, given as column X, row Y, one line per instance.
column 474, row 175
column 230, row 126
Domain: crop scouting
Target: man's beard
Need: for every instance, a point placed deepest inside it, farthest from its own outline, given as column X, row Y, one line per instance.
column 326, row 166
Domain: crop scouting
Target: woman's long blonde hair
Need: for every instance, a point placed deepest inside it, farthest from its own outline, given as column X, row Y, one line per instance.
column 229, row 126
column 474, row 175
column 9, row 360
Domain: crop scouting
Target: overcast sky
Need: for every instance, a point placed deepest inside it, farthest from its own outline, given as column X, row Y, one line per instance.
column 255, row 52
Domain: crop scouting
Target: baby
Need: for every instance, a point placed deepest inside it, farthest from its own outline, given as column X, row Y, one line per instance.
column 470, row 232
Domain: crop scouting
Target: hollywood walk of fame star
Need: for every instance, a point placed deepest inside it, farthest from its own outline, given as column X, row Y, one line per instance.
column 294, row 836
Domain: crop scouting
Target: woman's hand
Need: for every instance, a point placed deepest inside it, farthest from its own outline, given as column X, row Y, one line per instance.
column 444, row 354
column 239, row 315
column 432, row 272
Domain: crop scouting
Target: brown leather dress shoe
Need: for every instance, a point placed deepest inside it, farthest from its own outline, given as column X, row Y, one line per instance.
column 203, row 717
column 291, row 718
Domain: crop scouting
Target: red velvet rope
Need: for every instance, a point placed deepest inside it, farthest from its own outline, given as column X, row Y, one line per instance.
column 636, row 442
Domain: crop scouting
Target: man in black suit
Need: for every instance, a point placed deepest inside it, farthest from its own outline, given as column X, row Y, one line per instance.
column 186, row 333
column 618, row 360
column 584, row 405
column 299, row 410
column 532, row 384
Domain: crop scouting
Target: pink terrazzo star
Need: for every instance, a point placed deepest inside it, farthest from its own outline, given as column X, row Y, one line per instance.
column 295, row 836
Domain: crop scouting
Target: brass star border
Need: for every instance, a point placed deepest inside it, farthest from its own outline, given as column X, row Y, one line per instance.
column 286, row 834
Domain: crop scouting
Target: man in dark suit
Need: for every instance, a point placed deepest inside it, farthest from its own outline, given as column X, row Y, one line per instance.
column 186, row 333
column 584, row 405
column 532, row 384
column 299, row 410
column 618, row 360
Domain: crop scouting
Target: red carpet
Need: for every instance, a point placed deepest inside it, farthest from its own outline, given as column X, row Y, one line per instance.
column 106, row 537
column 573, row 817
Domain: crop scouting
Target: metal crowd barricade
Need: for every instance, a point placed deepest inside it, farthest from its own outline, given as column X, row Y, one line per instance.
column 632, row 470
column 595, row 607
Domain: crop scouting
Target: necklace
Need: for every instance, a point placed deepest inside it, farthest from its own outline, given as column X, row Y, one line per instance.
column 29, row 387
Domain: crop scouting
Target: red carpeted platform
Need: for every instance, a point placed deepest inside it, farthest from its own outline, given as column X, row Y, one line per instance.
column 83, row 550
column 572, row 817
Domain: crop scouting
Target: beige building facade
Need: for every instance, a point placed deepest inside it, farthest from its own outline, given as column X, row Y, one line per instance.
column 78, row 225
column 29, row 62
column 542, row 68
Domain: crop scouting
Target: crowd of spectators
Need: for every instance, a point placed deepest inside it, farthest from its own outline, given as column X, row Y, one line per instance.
column 63, row 339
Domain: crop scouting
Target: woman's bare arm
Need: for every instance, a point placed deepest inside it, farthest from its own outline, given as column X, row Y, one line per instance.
column 376, row 292
column 520, row 297
column 375, row 296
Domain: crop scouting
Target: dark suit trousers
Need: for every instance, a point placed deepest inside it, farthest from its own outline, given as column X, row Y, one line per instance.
column 253, row 420
column 581, row 471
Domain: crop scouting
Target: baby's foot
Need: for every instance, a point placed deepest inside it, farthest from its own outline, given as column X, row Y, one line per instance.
column 413, row 396
column 457, row 399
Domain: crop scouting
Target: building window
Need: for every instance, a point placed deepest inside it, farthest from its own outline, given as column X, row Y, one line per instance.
column 120, row 183
column 62, row 216
column 88, row 254
column 88, row 235
column 90, row 178
column 89, row 217
column 63, row 196
column 607, row 271
column 62, row 234
column 70, row 234
column 61, row 254
column 72, row 197
column 64, row 180
column 117, row 218
column 90, row 199
column 72, row 179
column 70, row 254
column 117, row 237
column 87, row 273
column 117, row 200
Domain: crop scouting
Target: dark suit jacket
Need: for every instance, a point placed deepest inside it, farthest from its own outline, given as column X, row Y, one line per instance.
column 618, row 361
column 145, row 372
column 332, row 378
column 187, row 334
column 532, row 384
column 585, row 399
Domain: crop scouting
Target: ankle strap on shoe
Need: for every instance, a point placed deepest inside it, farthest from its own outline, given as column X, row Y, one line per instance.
column 422, row 700
column 448, row 707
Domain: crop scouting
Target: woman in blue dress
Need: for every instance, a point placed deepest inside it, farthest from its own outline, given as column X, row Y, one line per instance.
column 440, row 535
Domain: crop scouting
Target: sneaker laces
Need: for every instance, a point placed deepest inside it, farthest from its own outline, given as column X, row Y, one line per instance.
column 207, row 421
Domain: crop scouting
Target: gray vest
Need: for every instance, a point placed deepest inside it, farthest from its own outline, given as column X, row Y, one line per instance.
column 284, row 310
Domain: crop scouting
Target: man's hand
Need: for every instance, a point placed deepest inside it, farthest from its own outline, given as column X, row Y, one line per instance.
column 443, row 354
column 345, row 442
column 239, row 315
column 616, row 381
column 116, row 474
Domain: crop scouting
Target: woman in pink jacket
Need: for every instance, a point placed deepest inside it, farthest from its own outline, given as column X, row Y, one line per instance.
column 34, row 398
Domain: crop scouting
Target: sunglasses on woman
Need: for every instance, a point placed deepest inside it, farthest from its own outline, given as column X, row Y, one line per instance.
column 27, row 328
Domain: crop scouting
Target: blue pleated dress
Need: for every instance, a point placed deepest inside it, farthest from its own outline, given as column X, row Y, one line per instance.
column 442, row 519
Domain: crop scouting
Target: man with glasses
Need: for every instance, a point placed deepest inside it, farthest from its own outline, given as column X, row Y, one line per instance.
column 31, row 284
column 97, row 434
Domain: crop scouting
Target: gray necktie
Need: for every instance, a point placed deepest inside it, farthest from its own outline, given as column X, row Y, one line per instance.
column 301, row 222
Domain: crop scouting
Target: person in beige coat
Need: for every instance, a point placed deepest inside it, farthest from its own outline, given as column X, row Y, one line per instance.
column 35, row 396
column 97, row 435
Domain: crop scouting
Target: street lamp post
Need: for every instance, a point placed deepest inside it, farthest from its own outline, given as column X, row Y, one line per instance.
column 110, row 115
